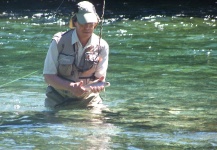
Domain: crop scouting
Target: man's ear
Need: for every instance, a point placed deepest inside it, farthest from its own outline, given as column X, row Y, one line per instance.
column 75, row 24
column 95, row 25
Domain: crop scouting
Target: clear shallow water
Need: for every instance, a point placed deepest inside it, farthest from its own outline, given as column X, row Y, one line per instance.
column 163, row 78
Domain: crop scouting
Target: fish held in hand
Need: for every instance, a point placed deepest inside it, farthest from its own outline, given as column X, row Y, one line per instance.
column 96, row 84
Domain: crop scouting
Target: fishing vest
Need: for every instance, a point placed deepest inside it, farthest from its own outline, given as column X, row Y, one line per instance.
column 68, row 66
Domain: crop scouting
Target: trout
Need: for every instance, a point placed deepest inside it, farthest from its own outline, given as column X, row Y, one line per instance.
column 95, row 84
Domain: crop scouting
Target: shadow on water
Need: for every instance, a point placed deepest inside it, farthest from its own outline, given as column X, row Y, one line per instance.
column 77, row 129
column 105, row 130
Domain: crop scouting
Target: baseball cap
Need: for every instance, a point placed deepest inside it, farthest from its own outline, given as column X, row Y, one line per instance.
column 86, row 13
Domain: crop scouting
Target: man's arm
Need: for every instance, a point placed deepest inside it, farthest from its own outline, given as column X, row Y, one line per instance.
column 76, row 88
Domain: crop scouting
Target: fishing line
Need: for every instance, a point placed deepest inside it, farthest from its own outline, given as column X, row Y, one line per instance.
column 101, row 26
column 46, row 24
column 18, row 79
column 31, row 46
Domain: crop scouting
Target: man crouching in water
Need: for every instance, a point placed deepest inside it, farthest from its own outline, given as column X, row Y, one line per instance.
column 75, row 59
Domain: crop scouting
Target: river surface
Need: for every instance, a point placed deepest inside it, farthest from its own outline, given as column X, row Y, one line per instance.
column 163, row 76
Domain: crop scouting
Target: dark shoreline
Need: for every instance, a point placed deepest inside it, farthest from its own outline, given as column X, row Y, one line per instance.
column 129, row 8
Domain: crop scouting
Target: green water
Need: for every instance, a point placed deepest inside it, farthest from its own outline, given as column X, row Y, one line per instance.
column 162, row 71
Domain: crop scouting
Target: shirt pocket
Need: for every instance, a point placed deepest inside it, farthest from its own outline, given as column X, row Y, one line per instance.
column 65, row 64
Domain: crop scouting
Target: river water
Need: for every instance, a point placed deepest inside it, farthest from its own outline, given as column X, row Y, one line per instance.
column 162, row 71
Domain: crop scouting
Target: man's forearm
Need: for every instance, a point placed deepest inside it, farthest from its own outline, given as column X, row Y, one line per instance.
column 57, row 82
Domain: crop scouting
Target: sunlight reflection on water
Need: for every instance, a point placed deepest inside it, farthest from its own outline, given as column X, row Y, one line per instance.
column 162, row 75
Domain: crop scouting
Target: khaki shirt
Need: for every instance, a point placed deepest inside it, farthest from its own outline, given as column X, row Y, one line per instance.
column 51, row 60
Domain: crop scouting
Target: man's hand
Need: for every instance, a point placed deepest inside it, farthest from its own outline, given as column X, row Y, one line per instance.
column 77, row 89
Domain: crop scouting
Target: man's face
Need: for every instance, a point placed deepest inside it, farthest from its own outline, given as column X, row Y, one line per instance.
column 85, row 30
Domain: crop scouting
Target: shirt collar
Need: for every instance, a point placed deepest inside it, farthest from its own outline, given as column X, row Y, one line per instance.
column 75, row 39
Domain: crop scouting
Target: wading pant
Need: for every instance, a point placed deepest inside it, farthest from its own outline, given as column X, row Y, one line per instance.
column 55, row 100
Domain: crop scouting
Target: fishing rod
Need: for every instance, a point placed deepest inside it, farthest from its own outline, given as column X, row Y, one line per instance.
column 102, row 18
column 101, row 27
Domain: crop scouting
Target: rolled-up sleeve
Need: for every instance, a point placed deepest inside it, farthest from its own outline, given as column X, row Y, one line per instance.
column 51, row 60
column 103, row 63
